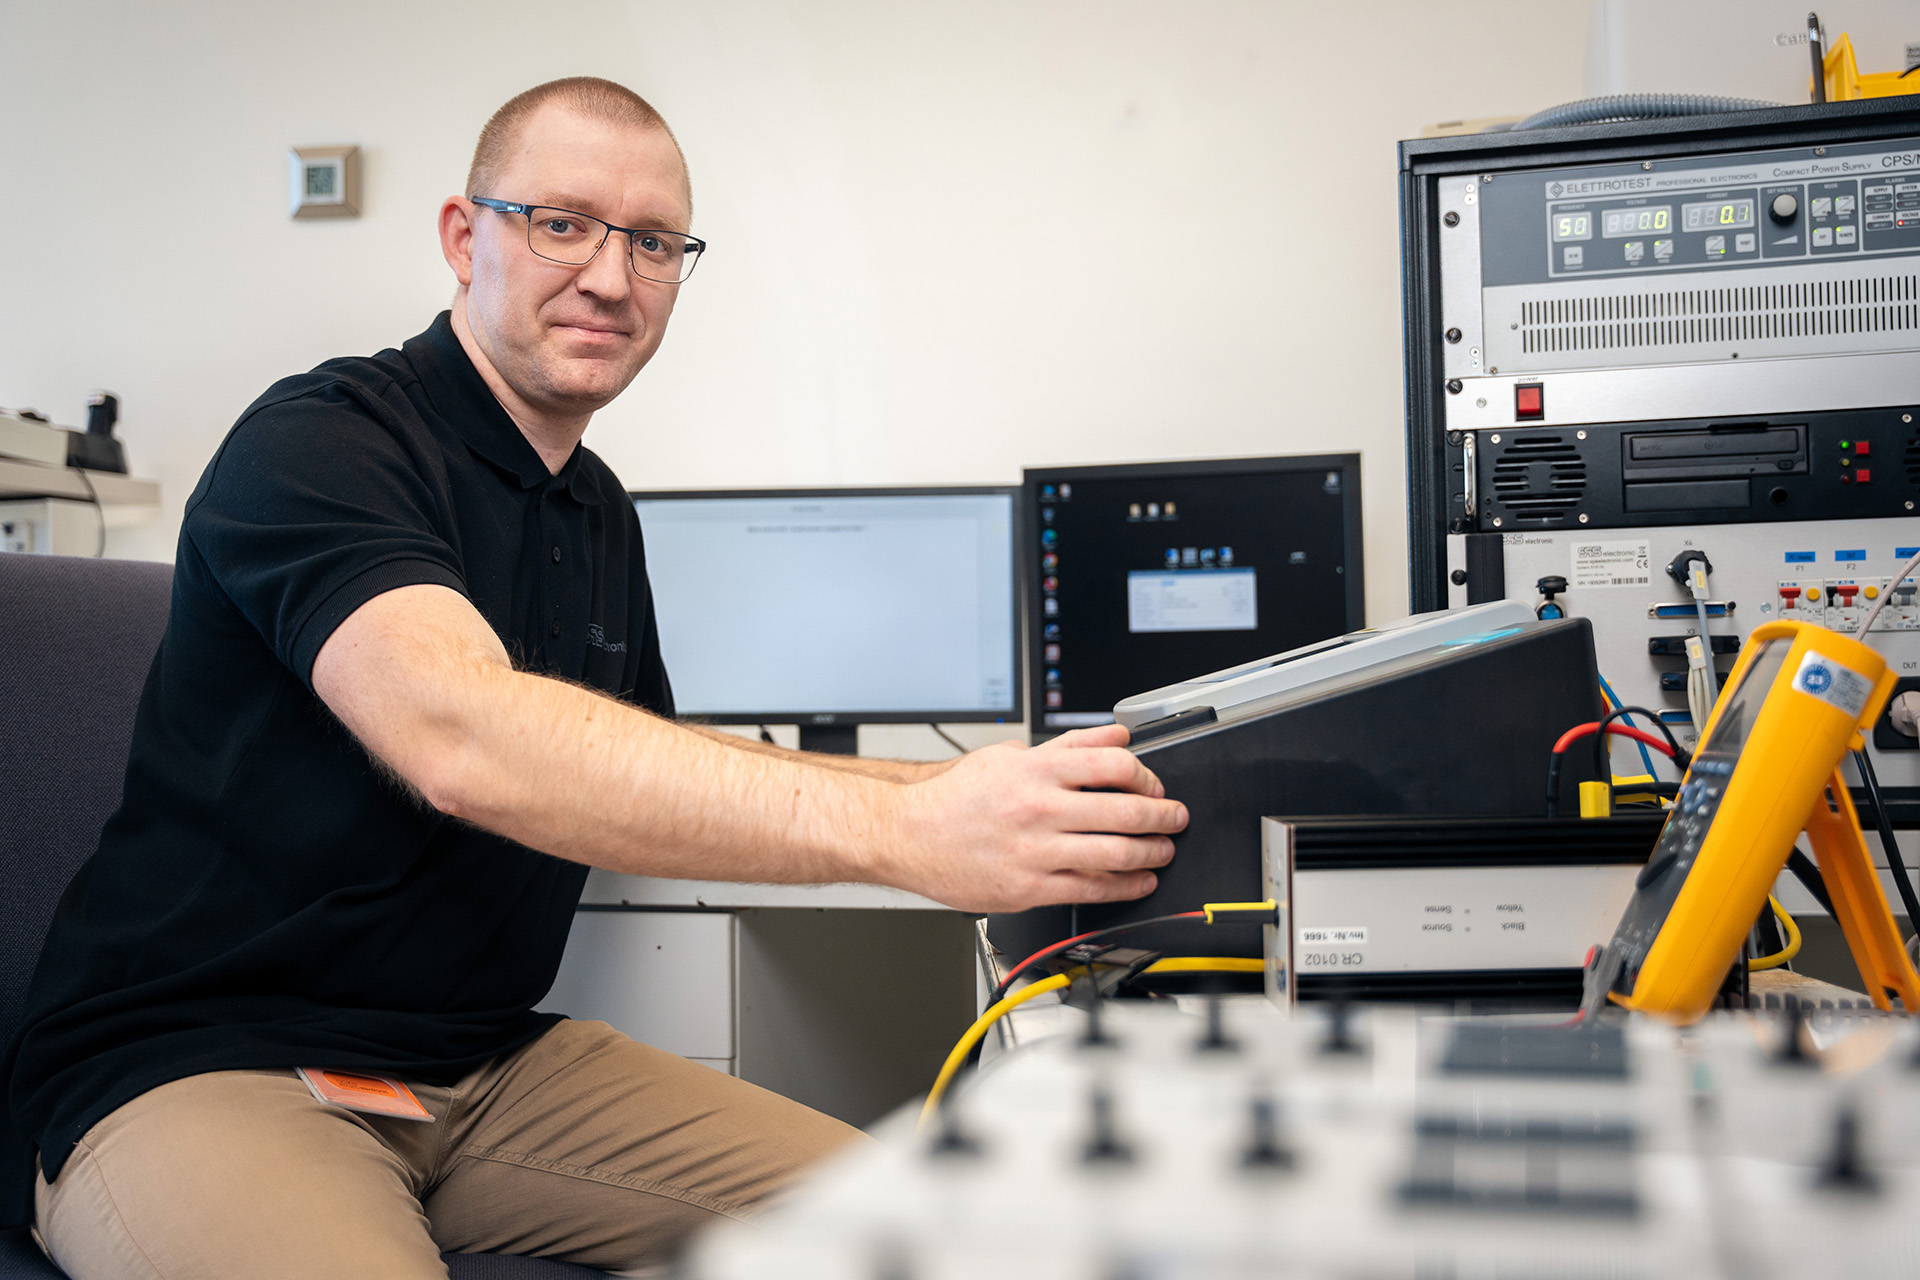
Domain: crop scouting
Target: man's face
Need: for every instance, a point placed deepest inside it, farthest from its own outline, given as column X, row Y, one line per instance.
column 569, row 339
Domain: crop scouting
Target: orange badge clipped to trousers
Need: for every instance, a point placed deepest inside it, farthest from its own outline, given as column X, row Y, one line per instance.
column 375, row 1095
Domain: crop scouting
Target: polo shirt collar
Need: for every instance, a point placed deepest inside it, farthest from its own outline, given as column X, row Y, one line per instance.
column 463, row 398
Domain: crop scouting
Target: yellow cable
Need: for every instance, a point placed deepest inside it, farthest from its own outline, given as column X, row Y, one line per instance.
column 1787, row 952
column 1207, row 964
column 1266, row 912
column 957, row 1059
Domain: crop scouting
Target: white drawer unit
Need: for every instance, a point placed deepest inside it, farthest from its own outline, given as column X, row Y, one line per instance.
column 663, row 977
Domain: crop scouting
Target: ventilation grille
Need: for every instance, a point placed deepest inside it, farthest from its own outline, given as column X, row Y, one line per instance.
column 1539, row 479
column 1679, row 317
column 1913, row 459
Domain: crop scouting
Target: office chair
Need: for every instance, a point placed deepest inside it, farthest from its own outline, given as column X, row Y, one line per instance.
column 76, row 639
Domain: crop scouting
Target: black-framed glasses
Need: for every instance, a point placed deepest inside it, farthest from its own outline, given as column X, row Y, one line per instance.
column 565, row 236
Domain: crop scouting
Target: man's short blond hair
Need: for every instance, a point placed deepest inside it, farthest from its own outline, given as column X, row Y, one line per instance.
column 588, row 95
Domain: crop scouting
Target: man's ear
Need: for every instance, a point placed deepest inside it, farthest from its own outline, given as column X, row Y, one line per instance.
column 456, row 236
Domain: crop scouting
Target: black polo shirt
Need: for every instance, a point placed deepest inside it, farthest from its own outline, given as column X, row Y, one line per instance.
column 265, row 896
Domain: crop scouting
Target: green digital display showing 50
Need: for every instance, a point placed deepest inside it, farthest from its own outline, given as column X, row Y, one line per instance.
column 1572, row 226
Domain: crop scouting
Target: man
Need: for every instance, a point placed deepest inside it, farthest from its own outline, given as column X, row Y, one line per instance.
column 410, row 690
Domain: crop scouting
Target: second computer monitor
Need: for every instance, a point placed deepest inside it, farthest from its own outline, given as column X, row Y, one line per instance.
column 833, row 608
column 1143, row 575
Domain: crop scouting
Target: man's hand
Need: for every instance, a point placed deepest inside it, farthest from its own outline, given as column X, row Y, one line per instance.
column 1079, row 819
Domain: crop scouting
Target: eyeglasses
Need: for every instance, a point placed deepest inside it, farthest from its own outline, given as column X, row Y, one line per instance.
column 561, row 235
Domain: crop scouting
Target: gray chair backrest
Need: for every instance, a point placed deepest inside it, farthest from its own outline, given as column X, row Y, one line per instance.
column 77, row 638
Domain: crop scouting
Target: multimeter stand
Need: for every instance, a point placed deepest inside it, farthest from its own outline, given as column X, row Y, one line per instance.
column 1833, row 829
column 1861, row 911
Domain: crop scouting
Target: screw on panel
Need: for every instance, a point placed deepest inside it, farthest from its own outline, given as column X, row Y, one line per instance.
column 1493, row 368
column 1646, row 164
column 1481, row 403
column 1453, row 335
column 1486, row 178
column 1496, row 522
column 1495, row 437
column 1583, row 517
column 1453, row 438
column 1579, row 435
column 1458, row 577
column 1819, row 151
column 1906, row 417
column 1451, row 218
column 1453, row 386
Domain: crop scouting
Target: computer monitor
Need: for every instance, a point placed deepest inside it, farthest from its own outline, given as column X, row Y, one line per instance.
column 1142, row 575
column 831, row 608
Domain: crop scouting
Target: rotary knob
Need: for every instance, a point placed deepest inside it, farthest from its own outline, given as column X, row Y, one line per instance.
column 1785, row 207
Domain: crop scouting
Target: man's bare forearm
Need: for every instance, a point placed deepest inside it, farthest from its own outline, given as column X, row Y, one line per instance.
column 887, row 770
column 574, row 773
column 583, row 777
column 418, row 676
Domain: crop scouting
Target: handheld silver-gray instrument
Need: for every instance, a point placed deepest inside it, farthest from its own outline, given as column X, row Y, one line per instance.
column 1247, row 690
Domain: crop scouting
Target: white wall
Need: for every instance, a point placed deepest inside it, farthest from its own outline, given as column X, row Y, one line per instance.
column 949, row 239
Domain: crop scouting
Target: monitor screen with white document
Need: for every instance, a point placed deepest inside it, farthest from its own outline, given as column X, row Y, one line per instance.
column 830, row 608
column 1143, row 575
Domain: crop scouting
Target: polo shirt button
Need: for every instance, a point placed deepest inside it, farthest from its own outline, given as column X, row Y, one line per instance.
column 556, row 555
column 556, row 628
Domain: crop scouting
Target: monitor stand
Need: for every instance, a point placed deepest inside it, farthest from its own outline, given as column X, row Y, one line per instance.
column 834, row 739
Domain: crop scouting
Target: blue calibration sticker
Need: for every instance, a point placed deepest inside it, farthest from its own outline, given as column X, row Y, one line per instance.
column 1832, row 683
column 1799, row 557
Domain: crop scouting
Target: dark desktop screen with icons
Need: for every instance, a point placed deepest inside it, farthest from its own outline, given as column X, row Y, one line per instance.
column 1141, row 580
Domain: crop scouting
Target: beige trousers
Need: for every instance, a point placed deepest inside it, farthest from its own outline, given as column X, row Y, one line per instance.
column 583, row 1146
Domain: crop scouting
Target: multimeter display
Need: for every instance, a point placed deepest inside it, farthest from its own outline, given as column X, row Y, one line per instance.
column 1743, row 702
column 1694, row 809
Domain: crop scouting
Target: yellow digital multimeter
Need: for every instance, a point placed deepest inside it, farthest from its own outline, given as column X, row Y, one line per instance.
column 1767, row 769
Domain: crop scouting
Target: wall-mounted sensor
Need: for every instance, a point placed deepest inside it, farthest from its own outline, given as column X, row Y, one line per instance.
column 324, row 182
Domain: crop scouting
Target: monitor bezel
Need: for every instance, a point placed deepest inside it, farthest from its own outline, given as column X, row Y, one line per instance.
column 1031, row 478
column 820, row 719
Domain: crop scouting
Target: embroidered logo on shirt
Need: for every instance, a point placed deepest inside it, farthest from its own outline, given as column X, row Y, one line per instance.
column 598, row 639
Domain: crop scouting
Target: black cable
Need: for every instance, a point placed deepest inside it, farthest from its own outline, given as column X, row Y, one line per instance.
column 1602, row 762
column 1810, row 879
column 767, row 737
column 1902, row 880
column 99, row 511
column 947, row 738
column 1603, row 757
column 1092, row 939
